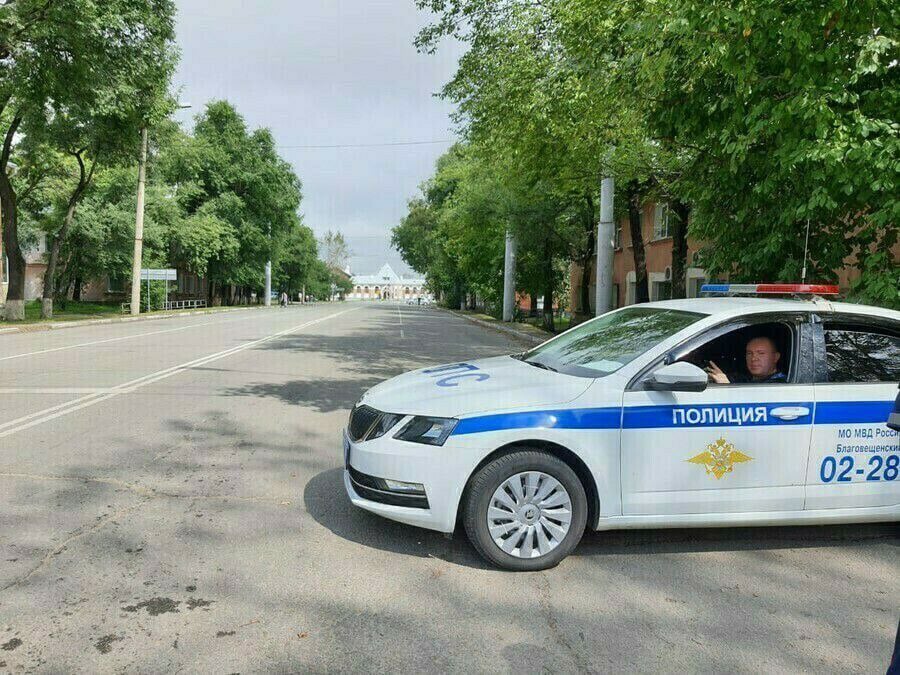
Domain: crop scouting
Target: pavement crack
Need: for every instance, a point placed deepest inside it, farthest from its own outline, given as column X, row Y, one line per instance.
column 112, row 482
column 149, row 493
column 73, row 537
column 546, row 603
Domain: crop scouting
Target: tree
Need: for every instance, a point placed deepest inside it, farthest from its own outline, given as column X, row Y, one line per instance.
column 786, row 114
column 335, row 250
column 294, row 259
column 112, row 59
column 235, row 183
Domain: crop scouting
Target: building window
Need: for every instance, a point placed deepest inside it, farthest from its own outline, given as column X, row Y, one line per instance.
column 661, row 290
column 115, row 284
column 618, row 238
column 661, row 222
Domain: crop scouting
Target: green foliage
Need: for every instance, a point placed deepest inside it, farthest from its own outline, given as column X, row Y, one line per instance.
column 294, row 260
column 756, row 116
column 239, row 198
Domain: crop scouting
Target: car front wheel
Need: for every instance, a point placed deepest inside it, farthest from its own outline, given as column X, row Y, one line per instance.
column 525, row 511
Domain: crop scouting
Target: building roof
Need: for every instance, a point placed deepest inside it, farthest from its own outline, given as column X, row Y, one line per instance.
column 385, row 277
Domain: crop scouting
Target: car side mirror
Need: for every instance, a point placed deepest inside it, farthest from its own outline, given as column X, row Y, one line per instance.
column 681, row 376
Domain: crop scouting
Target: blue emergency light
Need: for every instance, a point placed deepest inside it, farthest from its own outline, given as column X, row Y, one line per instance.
column 770, row 289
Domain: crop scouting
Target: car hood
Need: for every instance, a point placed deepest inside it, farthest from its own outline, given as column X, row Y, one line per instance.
column 465, row 388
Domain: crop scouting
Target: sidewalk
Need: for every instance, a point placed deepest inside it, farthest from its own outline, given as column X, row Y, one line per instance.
column 58, row 325
column 521, row 331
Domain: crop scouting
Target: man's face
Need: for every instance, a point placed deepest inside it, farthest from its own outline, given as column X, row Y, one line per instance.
column 762, row 357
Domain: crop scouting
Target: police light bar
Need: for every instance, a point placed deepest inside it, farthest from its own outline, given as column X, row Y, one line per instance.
column 770, row 289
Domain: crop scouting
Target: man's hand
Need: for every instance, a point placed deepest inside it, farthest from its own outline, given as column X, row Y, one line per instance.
column 715, row 374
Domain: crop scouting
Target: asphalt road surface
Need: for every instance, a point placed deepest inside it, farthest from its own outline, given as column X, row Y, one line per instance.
column 171, row 500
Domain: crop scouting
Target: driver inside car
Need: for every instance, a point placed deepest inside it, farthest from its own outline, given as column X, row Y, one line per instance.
column 762, row 364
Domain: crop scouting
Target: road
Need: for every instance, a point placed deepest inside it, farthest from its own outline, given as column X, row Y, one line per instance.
column 171, row 500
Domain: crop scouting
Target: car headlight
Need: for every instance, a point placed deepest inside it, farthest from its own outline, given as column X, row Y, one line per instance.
column 385, row 423
column 428, row 430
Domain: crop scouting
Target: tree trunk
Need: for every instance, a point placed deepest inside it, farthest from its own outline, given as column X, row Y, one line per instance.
column 584, row 312
column 679, row 249
column 641, row 287
column 15, row 292
column 548, row 289
column 84, row 179
column 52, row 258
column 532, row 311
column 76, row 292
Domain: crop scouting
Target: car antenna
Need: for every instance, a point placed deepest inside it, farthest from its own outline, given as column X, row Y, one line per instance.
column 805, row 254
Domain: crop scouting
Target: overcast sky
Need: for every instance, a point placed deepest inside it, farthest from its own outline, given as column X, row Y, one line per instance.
column 324, row 73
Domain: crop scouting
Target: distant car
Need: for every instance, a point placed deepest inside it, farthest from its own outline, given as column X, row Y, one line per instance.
column 614, row 424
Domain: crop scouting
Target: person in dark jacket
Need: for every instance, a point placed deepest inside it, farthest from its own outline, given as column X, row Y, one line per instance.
column 762, row 363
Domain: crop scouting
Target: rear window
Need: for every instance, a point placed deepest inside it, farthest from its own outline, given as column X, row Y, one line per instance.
column 602, row 346
column 855, row 353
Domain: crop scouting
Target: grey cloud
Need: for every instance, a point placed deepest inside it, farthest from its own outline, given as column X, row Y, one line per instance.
column 326, row 72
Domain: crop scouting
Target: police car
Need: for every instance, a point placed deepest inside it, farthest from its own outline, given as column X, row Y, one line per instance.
column 617, row 423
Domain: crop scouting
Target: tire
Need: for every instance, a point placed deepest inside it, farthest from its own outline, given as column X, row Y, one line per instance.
column 528, row 527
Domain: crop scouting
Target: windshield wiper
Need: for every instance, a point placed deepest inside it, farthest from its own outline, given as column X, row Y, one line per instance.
column 538, row 364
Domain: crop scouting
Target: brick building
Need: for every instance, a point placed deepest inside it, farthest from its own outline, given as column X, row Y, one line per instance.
column 656, row 228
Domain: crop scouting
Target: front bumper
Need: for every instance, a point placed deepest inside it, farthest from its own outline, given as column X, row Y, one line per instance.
column 443, row 471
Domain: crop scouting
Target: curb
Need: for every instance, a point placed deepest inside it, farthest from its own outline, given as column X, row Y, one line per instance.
column 60, row 325
column 503, row 328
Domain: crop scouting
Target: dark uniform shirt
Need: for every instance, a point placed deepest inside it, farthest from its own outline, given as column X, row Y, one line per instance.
column 777, row 376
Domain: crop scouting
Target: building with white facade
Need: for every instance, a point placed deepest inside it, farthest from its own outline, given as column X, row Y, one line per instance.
column 387, row 285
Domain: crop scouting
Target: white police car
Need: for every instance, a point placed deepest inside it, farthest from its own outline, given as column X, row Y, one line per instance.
column 613, row 424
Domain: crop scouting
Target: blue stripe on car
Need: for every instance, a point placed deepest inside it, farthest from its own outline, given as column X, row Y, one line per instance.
column 852, row 412
column 583, row 418
column 662, row 416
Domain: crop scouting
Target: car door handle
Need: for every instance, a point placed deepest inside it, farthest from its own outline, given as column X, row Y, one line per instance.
column 789, row 412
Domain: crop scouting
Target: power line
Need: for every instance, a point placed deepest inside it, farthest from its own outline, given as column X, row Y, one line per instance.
column 361, row 145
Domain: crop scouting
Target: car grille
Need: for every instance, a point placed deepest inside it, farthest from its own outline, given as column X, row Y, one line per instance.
column 361, row 420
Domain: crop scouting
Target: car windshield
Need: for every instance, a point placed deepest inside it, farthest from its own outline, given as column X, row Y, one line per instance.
column 602, row 346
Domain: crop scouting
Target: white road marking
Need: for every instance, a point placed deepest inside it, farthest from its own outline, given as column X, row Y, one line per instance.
column 116, row 339
column 57, row 390
column 42, row 416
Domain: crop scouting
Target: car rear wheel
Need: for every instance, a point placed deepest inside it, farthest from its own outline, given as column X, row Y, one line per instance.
column 525, row 511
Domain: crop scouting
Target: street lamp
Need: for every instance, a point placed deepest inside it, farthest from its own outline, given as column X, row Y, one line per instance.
column 139, row 224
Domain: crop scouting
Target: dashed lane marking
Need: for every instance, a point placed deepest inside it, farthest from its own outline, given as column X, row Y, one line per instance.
column 116, row 339
column 42, row 416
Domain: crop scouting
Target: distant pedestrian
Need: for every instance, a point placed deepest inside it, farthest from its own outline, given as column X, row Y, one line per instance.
column 284, row 299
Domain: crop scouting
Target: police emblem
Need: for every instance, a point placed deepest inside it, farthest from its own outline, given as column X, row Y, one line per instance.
column 719, row 458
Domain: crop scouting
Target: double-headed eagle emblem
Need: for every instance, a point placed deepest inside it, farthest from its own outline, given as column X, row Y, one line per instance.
column 719, row 458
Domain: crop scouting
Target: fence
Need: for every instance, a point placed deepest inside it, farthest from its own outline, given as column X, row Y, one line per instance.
column 170, row 305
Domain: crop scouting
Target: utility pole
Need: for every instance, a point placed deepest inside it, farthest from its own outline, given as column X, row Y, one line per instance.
column 139, row 224
column 139, row 229
column 606, row 234
column 268, row 300
column 509, row 277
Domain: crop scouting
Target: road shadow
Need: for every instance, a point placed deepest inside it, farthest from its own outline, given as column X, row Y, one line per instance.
column 371, row 353
column 323, row 395
column 327, row 503
column 325, row 500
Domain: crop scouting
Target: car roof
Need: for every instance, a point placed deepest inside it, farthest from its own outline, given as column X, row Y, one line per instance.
column 737, row 305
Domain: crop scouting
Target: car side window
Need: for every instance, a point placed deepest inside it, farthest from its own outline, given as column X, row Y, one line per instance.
column 855, row 353
column 730, row 354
